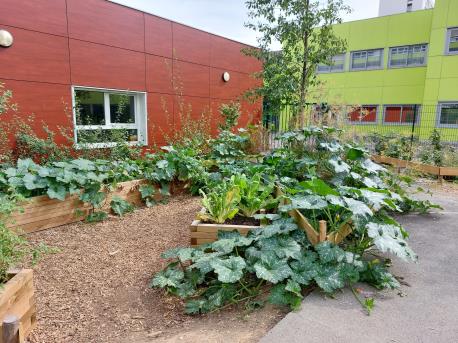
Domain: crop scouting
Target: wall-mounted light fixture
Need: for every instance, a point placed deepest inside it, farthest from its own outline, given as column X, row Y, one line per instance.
column 226, row 76
column 6, row 39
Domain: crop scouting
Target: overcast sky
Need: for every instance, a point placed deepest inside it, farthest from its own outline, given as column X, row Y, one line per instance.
column 226, row 17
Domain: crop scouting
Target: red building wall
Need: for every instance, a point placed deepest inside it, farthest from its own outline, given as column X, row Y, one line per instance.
column 96, row 43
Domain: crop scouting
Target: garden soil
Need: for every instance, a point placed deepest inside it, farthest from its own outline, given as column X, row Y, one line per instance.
column 96, row 288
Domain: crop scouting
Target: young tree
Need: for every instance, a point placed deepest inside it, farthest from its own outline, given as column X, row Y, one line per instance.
column 304, row 28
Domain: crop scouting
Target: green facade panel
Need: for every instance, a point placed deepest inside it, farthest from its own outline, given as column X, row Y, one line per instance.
column 427, row 85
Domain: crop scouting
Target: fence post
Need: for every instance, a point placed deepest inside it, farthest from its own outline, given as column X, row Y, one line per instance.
column 10, row 329
column 415, row 110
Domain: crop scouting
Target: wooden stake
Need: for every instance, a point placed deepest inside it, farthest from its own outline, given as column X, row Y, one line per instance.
column 10, row 329
column 323, row 229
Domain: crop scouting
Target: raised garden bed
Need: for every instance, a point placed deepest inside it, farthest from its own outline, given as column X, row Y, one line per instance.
column 423, row 168
column 17, row 307
column 41, row 212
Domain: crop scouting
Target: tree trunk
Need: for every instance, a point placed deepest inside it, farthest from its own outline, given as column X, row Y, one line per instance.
column 304, row 69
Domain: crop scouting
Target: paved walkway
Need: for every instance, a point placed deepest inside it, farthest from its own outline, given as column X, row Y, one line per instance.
column 428, row 311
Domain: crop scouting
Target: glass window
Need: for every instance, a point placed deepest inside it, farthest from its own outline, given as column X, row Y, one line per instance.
column 401, row 114
column 367, row 59
column 337, row 64
column 363, row 114
column 91, row 109
column 105, row 117
column 452, row 41
column 407, row 56
column 448, row 114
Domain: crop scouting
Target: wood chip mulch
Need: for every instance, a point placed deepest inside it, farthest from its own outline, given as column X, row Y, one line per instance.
column 96, row 288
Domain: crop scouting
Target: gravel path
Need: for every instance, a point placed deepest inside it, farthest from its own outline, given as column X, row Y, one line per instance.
column 95, row 289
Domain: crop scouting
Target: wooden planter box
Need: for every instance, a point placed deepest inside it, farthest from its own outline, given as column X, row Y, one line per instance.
column 313, row 236
column 202, row 233
column 423, row 168
column 40, row 213
column 17, row 307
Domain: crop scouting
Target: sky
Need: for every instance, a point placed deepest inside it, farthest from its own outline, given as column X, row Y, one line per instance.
column 226, row 17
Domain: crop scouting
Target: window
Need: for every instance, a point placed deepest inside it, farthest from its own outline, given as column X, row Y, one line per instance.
column 408, row 56
column 409, row 5
column 103, row 117
column 337, row 64
column 448, row 115
column 366, row 59
column 366, row 114
column 452, row 41
column 401, row 114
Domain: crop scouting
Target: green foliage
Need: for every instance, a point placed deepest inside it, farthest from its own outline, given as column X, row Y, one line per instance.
column 254, row 194
column 121, row 206
column 221, row 203
column 305, row 30
column 231, row 114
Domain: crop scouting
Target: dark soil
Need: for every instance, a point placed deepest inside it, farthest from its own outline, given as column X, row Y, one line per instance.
column 240, row 220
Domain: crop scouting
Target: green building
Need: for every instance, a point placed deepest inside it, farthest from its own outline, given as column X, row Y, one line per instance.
column 399, row 69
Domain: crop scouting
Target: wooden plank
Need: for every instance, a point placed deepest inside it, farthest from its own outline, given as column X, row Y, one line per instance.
column 304, row 224
column 204, row 235
column 50, row 222
column 338, row 236
column 68, row 205
column 425, row 168
column 323, row 229
column 17, row 299
column 216, row 229
column 448, row 171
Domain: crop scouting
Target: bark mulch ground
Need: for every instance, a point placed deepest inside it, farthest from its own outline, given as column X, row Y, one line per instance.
column 96, row 288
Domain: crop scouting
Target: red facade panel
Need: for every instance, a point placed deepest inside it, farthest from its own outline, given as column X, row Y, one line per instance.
column 159, row 74
column 103, row 66
column 115, row 47
column 191, row 44
column 106, row 23
column 46, row 102
column 35, row 56
column 43, row 16
column 225, row 54
column 188, row 107
column 158, row 36
column 160, row 118
column 191, row 79
column 220, row 89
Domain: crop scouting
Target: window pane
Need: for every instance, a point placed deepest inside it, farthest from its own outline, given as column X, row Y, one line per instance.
column 374, row 58
column 399, row 57
column 338, row 63
column 393, row 114
column 122, row 109
column 322, row 68
column 408, row 114
column 417, row 55
column 369, row 114
column 358, row 60
column 364, row 114
column 107, row 136
column 355, row 114
column 449, row 114
column 453, row 43
column 89, row 108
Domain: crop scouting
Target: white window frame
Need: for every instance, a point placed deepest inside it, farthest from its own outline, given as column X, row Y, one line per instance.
column 382, row 50
column 400, row 123
column 377, row 110
column 447, row 41
column 140, row 110
column 439, row 113
column 329, row 67
column 409, row 51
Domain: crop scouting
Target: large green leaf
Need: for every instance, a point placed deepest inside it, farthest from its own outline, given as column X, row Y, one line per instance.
column 318, row 186
column 329, row 278
column 389, row 238
column 283, row 246
column 280, row 295
column 171, row 277
column 273, row 270
column 229, row 270
column 304, row 269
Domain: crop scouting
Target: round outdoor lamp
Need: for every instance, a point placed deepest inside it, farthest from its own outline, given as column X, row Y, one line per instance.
column 6, row 39
column 226, row 76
